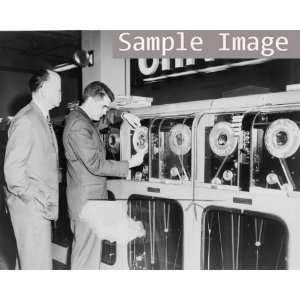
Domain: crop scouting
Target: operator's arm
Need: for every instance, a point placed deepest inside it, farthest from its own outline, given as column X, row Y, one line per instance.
column 86, row 149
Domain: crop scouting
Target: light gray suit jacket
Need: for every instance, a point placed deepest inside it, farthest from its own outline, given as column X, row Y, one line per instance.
column 87, row 166
column 31, row 163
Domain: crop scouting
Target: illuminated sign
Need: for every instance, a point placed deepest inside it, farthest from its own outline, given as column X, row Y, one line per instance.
column 150, row 69
column 153, row 69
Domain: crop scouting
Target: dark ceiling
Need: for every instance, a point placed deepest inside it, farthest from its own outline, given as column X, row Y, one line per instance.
column 29, row 50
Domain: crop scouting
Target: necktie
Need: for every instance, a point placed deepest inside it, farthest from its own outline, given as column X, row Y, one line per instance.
column 53, row 136
column 49, row 123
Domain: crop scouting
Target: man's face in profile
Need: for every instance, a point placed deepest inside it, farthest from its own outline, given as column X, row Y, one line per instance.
column 101, row 106
column 51, row 90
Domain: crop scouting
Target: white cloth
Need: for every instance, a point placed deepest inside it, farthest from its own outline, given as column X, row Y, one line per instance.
column 109, row 221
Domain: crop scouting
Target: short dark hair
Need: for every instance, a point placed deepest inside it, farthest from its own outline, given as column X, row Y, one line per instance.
column 37, row 80
column 97, row 88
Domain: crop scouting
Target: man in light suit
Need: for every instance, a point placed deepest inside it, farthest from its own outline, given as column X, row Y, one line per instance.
column 31, row 172
column 87, row 167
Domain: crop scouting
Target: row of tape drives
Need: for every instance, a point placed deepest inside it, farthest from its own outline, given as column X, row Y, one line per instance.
column 268, row 142
column 253, row 150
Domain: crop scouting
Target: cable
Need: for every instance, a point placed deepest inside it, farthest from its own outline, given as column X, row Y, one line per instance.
column 232, row 242
column 166, row 230
column 152, row 232
column 143, row 238
column 221, row 165
column 209, row 242
column 258, row 239
column 220, row 238
column 238, row 242
column 177, row 249
column 183, row 168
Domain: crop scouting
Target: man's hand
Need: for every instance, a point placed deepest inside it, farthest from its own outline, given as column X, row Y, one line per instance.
column 42, row 203
column 132, row 120
column 137, row 159
column 39, row 206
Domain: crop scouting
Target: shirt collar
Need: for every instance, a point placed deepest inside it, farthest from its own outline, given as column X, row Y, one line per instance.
column 80, row 110
column 44, row 111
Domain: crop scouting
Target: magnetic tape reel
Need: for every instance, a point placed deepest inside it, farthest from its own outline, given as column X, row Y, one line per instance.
column 180, row 139
column 282, row 138
column 222, row 140
column 113, row 141
column 140, row 139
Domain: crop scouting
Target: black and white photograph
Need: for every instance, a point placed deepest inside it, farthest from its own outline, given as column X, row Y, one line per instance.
column 145, row 163
column 149, row 150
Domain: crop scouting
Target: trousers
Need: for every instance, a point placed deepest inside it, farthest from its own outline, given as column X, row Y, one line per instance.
column 33, row 237
column 86, row 247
